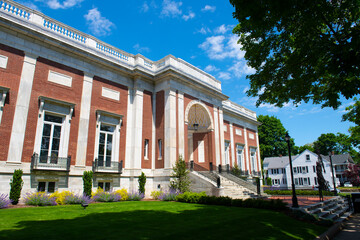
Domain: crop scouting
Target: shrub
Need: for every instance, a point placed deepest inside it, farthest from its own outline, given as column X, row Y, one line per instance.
column 169, row 195
column 16, row 184
column 156, row 194
column 142, row 181
column 268, row 181
column 190, row 197
column 77, row 199
column 101, row 196
column 60, row 196
column 135, row 196
column 87, row 181
column 4, row 201
column 123, row 193
column 39, row 199
column 180, row 173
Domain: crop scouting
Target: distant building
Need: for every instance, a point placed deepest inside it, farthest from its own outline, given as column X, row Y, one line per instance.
column 341, row 163
column 304, row 169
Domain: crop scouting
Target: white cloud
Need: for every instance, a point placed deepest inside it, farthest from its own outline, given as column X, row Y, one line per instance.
column 56, row 4
column 224, row 75
column 211, row 68
column 208, row 8
column 30, row 5
column 98, row 25
column 221, row 47
column 204, row 30
column 191, row 15
column 240, row 68
column 171, row 8
column 138, row 48
column 222, row 29
column 144, row 7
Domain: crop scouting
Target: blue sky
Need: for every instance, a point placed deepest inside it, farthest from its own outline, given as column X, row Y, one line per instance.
column 197, row 31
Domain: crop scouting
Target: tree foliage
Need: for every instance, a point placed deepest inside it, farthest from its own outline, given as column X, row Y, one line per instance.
column 353, row 115
column 142, row 182
column 353, row 174
column 87, row 182
column 16, row 185
column 181, row 175
column 301, row 50
column 329, row 142
column 272, row 137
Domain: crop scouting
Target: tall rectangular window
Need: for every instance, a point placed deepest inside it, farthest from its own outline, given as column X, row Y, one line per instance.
column 253, row 159
column 105, row 145
column 307, row 157
column 160, row 148
column 51, row 136
column 240, row 156
column 146, row 149
column 227, row 155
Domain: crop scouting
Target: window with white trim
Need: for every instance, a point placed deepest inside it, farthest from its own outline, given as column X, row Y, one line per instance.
column 227, row 152
column 253, row 159
column 3, row 94
column 146, row 149
column 307, row 157
column 107, row 147
column 53, row 130
column 106, row 186
column 160, row 148
column 48, row 187
column 240, row 156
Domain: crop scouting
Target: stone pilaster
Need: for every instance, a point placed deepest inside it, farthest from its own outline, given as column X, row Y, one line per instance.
column 84, row 120
column 181, row 122
column 222, row 138
column 216, row 132
column 170, row 128
column 22, row 109
column 232, row 144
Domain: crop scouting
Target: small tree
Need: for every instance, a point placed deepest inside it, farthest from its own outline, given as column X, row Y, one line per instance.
column 181, row 175
column 16, row 184
column 142, row 181
column 352, row 173
column 87, row 181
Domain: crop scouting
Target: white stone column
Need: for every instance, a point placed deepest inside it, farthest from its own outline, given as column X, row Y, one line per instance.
column 84, row 120
column 217, row 136
column 138, row 127
column 232, row 144
column 170, row 128
column 181, row 122
column 129, row 130
column 22, row 109
column 153, row 136
column 134, row 128
column 222, row 138
column 258, row 151
column 246, row 151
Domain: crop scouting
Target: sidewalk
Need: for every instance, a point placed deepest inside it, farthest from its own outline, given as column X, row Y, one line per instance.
column 351, row 229
column 302, row 200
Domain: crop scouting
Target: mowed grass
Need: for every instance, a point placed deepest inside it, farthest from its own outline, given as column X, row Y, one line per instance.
column 151, row 220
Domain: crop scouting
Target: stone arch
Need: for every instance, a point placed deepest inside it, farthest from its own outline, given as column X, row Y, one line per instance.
column 197, row 111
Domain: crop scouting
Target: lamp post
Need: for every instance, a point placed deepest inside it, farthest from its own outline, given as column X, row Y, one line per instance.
column 332, row 170
column 294, row 198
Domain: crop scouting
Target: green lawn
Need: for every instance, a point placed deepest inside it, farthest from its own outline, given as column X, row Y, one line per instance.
column 151, row 220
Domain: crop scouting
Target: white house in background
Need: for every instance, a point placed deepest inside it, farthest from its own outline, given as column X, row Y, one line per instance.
column 304, row 169
column 341, row 163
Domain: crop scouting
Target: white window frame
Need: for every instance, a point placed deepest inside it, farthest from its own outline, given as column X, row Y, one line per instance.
column 307, row 157
column 146, row 149
column 57, row 108
column 47, row 186
column 160, row 149
column 253, row 161
column 227, row 152
column 113, row 120
column 240, row 162
column 3, row 93
column 104, row 185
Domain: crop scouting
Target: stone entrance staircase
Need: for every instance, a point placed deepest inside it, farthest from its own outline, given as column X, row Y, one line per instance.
column 336, row 209
column 230, row 185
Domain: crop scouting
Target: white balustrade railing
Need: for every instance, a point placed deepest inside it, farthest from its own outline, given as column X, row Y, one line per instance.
column 89, row 42
column 235, row 107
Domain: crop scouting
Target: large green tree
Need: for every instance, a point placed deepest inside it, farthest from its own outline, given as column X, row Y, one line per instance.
column 301, row 50
column 329, row 142
column 353, row 115
column 272, row 137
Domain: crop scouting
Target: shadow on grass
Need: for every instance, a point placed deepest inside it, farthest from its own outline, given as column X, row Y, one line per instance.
column 207, row 222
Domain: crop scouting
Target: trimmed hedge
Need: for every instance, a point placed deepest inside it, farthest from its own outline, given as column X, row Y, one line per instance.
column 298, row 192
column 202, row 198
